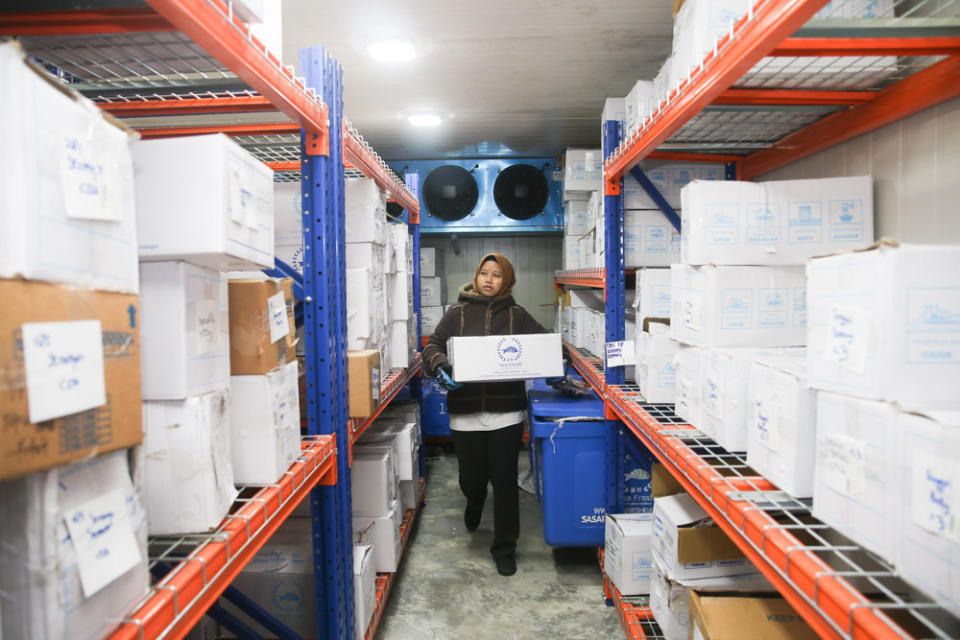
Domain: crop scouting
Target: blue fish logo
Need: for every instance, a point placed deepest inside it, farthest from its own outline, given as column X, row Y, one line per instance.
column 736, row 304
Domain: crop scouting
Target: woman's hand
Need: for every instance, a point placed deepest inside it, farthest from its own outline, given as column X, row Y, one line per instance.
column 445, row 376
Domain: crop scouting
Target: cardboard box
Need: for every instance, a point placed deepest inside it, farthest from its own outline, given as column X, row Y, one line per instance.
column 652, row 299
column 265, row 430
column 291, row 255
column 400, row 344
column 775, row 223
column 669, row 179
column 781, row 424
column 689, row 550
column 690, row 362
column 287, row 213
column 856, row 487
column 714, row 306
column 53, row 586
column 363, row 375
column 398, row 296
column 429, row 317
column 365, row 255
column 203, row 199
column 627, row 560
column 662, row 482
column 576, row 218
column 403, row 439
column 366, row 211
column 410, row 493
column 721, row 617
column 364, row 588
column 571, row 253
column 185, row 329
column 383, row 533
column 656, row 374
column 583, row 172
column 883, row 324
column 188, row 471
column 927, row 455
column 649, row 240
column 399, row 245
column 362, row 305
column 432, row 292
column 66, row 184
column 431, row 262
column 374, row 481
column 640, row 102
column 261, row 335
column 511, row 357
column 111, row 395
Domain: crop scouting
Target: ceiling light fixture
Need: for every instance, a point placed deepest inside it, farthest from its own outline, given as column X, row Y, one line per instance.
column 424, row 120
column 396, row 51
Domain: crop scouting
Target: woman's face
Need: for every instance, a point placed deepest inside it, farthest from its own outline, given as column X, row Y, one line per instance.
column 490, row 278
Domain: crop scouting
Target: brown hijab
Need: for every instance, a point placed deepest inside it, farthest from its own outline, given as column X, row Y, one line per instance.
column 509, row 278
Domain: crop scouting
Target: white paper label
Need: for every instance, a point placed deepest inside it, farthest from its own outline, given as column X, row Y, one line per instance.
column 621, row 353
column 848, row 338
column 277, row 314
column 88, row 179
column 104, row 540
column 64, row 368
column 844, row 464
column 242, row 200
column 934, row 492
column 206, row 318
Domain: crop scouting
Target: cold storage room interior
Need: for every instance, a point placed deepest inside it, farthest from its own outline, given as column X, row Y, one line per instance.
column 518, row 320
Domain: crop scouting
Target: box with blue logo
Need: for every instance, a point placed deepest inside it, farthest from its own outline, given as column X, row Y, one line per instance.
column 509, row 357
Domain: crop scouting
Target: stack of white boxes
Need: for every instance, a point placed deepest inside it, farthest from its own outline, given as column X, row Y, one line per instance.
column 366, row 261
column 432, row 288
column 883, row 353
column 71, row 361
column 582, row 180
column 400, row 337
column 739, row 302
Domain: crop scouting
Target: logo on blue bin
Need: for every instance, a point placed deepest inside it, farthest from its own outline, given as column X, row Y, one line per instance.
column 509, row 349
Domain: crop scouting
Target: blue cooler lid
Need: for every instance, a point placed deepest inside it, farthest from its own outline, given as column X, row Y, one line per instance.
column 547, row 402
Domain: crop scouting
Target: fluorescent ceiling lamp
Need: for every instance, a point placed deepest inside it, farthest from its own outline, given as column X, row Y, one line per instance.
column 398, row 51
column 424, row 120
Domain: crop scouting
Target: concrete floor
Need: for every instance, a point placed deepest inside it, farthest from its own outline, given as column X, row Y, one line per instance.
column 448, row 587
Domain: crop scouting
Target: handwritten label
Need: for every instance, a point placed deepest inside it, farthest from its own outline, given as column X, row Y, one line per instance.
column 691, row 311
column 621, row 353
column 64, row 368
column 88, row 179
column 104, row 540
column 844, row 464
column 277, row 316
column 848, row 338
column 766, row 421
column 206, row 318
column 934, row 489
column 243, row 208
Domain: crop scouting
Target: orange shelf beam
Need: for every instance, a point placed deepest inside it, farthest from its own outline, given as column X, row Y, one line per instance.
column 356, row 154
column 187, row 106
column 258, row 129
column 293, row 165
column 587, row 366
column 50, row 23
column 922, row 90
column 789, row 97
column 582, row 278
column 772, row 22
column 914, row 46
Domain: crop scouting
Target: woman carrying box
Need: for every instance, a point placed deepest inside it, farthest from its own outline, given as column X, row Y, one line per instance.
column 486, row 418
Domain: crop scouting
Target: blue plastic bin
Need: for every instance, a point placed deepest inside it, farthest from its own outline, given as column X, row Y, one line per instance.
column 435, row 421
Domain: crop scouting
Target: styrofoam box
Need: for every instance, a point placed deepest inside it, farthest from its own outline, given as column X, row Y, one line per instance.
column 287, row 213
column 689, row 363
column 649, row 240
column 627, row 560
column 640, row 102
column 66, row 185
column 781, row 424
column 430, row 262
column 398, row 296
column 583, row 171
column 184, row 330
column 576, row 217
column 366, row 211
column 431, row 291
column 571, row 253
column 188, row 471
column 656, row 375
column 364, row 588
column 928, row 540
column 884, row 324
column 738, row 306
column 361, row 305
column 373, row 481
column 45, row 590
column 505, row 357
column 652, row 298
column 383, row 532
column 587, row 250
column 429, row 317
column 398, row 239
column 265, row 430
column 775, row 223
column 400, row 345
column 365, row 255
column 203, row 199
column 669, row 179
column 856, row 481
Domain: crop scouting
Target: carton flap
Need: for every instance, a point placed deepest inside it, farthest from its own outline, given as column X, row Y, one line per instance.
column 705, row 544
column 662, row 482
column 680, row 509
column 747, row 618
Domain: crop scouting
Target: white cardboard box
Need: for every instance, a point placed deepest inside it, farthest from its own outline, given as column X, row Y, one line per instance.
column 669, row 179
column 398, row 237
column 292, row 254
column 366, row 211
column 66, row 184
column 649, row 240
column 775, row 223
column 403, row 438
column 365, row 255
column 46, row 591
column 203, row 199
column 409, row 492
column 576, row 218
column 583, row 172
column 184, row 330
column 287, row 213
column 431, row 262
column 429, row 317
column 926, row 504
column 689, row 363
column 511, row 357
column 738, row 306
column 640, row 102
column 884, row 324
column 364, row 588
column 856, row 486
column 400, row 345
column 656, row 374
column 398, row 296
column 781, row 424
column 571, row 253
column 653, row 294
column 432, row 291
column 188, row 472
column 265, row 430
column 361, row 304
column 373, row 481
column 383, row 532
column 627, row 560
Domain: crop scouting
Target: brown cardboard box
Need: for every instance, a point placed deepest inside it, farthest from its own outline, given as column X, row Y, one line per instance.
column 26, row 447
column 662, row 483
column 363, row 375
column 290, row 301
column 677, row 5
column 251, row 351
column 749, row 617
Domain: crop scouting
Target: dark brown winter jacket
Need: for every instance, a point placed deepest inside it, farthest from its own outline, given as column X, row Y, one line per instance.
column 477, row 315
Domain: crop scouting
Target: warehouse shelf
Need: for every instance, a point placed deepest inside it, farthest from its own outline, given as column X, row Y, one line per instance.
column 593, row 278
column 199, row 567
column 389, row 388
column 385, row 580
column 634, row 612
column 590, row 367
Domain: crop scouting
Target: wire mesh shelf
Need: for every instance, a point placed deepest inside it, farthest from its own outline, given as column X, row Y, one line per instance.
column 734, row 126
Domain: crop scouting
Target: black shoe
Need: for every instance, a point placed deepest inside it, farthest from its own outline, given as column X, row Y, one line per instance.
column 471, row 516
column 506, row 565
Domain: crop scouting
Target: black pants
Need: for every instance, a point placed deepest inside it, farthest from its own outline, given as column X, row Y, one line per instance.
column 491, row 456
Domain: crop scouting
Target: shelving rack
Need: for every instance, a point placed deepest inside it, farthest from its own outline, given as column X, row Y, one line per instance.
column 179, row 58
column 754, row 104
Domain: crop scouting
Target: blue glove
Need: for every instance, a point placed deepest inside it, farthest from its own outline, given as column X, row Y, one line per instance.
column 555, row 381
column 445, row 376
